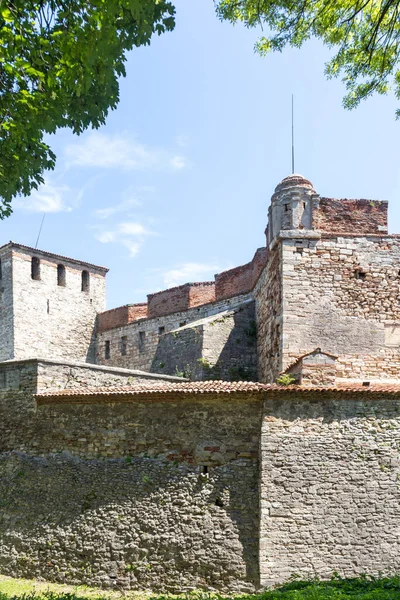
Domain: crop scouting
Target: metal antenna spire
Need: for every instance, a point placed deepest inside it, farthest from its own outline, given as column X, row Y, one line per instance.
column 292, row 135
column 40, row 231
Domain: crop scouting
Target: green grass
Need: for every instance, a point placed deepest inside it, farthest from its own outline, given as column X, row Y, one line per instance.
column 362, row 588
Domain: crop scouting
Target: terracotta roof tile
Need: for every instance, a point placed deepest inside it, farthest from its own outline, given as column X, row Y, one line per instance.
column 185, row 387
column 214, row 387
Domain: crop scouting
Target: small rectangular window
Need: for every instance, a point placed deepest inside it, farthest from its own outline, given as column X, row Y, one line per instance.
column 161, row 330
column 124, row 345
column 182, row 323
column 35, row 268
column 61, row 275
column 142, row 339
column 107, row 350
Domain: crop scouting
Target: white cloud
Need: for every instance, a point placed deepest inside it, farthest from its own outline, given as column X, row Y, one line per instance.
column 96, row 149
column 189, row 272
column 49, row 198
column 178, row 162
column 108, row 211
column 129, row 234
column 133, row 229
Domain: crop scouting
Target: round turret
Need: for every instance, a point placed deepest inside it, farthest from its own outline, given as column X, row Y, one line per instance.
column 292, row 206
column 294, row 180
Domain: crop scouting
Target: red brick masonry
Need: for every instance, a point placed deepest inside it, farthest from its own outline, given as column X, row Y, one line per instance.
column 351, row 216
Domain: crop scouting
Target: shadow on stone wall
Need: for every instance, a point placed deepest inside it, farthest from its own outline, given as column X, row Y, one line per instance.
column 238, row 358
column 179, row 353
column 221, row 347
column 129, row 523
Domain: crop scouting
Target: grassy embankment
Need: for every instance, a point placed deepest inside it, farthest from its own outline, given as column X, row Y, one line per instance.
column 364, row 588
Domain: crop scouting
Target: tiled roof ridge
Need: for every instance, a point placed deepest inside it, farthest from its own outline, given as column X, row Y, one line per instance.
column 53, row 255
column 220, row 387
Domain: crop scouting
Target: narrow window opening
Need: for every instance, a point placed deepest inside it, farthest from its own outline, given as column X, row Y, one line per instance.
column 107, row 350
column 205, row 470
column 1, row 270
column 286, row 207
column 48, row 307
column 219, row 502
column 85, row 281
column 61, row 275
column 304, row 205
column 142, row 339
column 360, row 275
column 124, row 345
column 161, row 330
column 35, row 268
column 182, row 323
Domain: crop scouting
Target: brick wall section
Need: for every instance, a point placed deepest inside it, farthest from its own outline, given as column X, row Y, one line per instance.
column 240, row 280
column 116, row 317
column 329, row 486
column 180, row 298
column 351, row 216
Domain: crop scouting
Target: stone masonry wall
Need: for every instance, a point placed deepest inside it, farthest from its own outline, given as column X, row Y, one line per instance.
column 140, row 340
column 330, row 476
column 222, row 346
column 52, row 320
column 20, row 380
column 6, row 307
column 341, row 294
column 268, row 298
column 155, row 494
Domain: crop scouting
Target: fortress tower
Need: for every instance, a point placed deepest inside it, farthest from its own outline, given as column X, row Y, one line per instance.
column 48, row 305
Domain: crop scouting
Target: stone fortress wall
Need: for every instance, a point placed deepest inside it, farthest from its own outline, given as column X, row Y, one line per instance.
column 139, row 491
column 113, row 474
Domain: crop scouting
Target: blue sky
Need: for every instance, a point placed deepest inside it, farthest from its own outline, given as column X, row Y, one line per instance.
column 176, row 186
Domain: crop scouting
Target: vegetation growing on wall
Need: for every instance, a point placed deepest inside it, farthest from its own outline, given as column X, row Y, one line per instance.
column 362, row 588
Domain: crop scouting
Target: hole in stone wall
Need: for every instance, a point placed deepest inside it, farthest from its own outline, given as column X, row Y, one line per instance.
column 205, row 469
column 182, row 323
column 360, row 275
column 286, row 207
column 35, row 268
column 61, row 275
column 218, row 502
column 107, row 350
column 161, row 330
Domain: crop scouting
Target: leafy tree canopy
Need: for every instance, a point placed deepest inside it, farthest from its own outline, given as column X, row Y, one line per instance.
column 59, row 66
column 365, row 33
